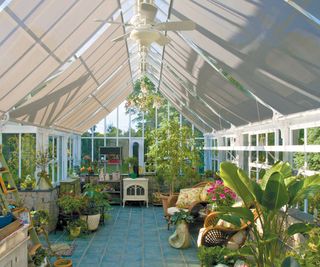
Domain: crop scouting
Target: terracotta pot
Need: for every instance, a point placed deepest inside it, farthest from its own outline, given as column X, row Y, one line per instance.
column 181, row 237
column 63, row 263
column 92, row 221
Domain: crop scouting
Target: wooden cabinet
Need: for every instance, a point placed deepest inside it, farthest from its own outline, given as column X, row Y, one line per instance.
column 135, row 190
column 14, row 249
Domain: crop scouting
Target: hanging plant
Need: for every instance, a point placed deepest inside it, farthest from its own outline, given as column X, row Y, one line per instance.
column 144, row 97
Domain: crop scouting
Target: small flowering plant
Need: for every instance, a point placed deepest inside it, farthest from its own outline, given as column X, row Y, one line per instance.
column 220, row 195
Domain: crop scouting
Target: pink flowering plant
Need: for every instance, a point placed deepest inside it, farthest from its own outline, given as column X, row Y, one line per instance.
column 220, row 195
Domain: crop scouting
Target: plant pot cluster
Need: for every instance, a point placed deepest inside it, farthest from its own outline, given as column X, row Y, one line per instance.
column 83, row 212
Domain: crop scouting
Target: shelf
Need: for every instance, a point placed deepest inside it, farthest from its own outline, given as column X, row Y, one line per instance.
column 118, row 181
column 114, row 192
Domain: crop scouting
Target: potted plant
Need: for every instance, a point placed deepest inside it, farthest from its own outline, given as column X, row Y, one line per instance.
column 39, row 259
column 75, row 227
column 271, row 198
column 29, row 183
column 42, row 161
column 181, row 236
column 133, row 166
column 96, row 202
column 220, row 195
column 172, row 149
column 71, row 204
column 63, row 263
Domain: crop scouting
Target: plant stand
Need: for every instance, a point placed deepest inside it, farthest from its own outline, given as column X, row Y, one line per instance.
column 181, row 237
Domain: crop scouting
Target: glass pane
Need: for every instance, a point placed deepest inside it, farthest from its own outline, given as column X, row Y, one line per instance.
column 136, row 125
column 28, row 155
column 253, row 140
column 245, row 138
column 86, row 147
column 97, row 143
column 11, row 153
column 253, row 156
column 262, row 156
column 298, row 137
column 313, row 136
column 262, row 139
column 271, row 140
column 271, row 157
column 313, row 161
column 111, row 130
column 123, row 121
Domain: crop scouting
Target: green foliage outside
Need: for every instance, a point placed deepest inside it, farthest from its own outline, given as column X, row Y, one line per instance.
column 313, row 159
column 28, row 155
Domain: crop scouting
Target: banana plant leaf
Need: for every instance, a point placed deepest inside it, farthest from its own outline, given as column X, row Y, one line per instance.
column 299, row 228
column 276, row 194
column 231, row 179
column 244, row 213
column 283, row 167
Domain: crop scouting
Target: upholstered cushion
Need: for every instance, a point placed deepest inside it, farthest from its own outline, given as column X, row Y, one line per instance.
column 187, row 196
column 226, row 224
column 204, row 192
column 173, row 210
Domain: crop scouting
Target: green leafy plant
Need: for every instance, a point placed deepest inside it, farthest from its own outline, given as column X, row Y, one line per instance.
column 71, row 204
column 271, row 198
column 42, row 160
column 144, row 97
column 39, row 256
column 210, row 256
column 308, row 253
column 181, row 216
column 172, row 149
column 220, row 195
column 95, row 199
column 28, row 183
column 208, row 174
column 77, row 223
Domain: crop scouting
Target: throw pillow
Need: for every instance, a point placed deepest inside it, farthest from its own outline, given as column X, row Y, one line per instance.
column 226, row 224
column 187, row 196
column 204, row 192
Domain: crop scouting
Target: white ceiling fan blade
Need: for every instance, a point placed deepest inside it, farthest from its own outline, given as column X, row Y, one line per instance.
column 112, row 22
column 121, row 38
column 186, row 25
column 148, row 11
column 163, row 40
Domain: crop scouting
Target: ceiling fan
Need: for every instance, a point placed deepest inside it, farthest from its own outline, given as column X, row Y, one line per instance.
column 144, row 29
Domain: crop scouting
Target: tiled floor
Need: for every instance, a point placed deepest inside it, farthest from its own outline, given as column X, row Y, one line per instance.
column 134, row 236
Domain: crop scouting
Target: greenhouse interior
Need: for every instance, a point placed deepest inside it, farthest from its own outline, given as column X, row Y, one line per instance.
column 160, row 133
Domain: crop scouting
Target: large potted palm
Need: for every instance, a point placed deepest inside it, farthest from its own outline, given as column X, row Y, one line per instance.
column 173, row 152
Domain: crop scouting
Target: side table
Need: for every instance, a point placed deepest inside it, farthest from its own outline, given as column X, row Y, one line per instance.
column 135, row 190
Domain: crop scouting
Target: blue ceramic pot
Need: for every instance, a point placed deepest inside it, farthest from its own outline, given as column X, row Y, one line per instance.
column 5, row 220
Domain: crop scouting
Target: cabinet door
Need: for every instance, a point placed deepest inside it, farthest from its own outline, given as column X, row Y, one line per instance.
column 131, row 190
column 140, row 191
